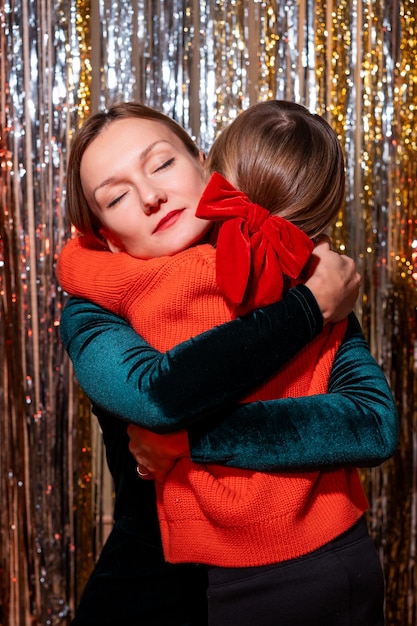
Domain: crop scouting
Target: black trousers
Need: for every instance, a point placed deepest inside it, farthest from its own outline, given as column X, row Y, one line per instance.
column 341, row 584
column 132, row 585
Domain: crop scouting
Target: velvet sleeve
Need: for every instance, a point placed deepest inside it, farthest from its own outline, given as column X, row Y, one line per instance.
column 355, row 424
column 125, row 376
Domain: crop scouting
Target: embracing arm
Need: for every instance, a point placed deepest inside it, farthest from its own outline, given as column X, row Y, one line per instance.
column 124, row 375
column 355, row 424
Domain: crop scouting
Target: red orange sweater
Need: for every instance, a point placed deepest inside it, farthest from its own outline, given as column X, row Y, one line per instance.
column 211, row 514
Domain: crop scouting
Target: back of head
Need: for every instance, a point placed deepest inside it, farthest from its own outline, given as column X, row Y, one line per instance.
column 78, row 210
column 285, row 159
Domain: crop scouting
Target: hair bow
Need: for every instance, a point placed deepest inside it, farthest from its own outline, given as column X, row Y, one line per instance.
column 253, row 248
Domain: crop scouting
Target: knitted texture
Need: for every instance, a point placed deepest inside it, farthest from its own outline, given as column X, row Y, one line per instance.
column 240, row 518
column 212, row 514
column 153, row 295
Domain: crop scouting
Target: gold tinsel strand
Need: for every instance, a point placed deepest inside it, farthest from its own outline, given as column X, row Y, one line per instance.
column 269, row 57
column 401, row 601
column 333, row 28
column 230, row 56
column 405, row 100
column 83, row 514
column 83, row 31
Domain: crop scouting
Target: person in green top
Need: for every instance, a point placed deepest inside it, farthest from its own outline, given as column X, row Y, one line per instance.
column 141, row 382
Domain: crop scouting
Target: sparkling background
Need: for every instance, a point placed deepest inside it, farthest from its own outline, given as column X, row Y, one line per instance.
column 201, row 62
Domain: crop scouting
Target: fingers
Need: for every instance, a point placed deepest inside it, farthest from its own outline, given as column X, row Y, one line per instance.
column 320, row 239
column 334, row 281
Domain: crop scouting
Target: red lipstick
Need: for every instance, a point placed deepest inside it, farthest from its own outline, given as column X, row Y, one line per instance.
column 168, row 220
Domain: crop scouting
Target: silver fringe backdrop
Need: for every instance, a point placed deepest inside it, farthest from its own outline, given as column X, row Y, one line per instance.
column 202, row 62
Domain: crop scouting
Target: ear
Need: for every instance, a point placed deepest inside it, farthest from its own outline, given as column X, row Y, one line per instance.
column 201, row 157
column 113, row 245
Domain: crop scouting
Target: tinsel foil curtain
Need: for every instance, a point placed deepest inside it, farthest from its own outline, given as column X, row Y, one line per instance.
column 202, row 62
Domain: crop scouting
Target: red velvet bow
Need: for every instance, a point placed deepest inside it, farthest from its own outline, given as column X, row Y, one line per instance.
column 253, row 248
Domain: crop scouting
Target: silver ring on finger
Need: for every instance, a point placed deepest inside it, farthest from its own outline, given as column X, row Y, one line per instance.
column 141, row 471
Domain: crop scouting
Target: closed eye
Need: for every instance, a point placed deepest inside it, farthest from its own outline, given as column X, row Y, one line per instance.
column 165, row 165
column 116, row 200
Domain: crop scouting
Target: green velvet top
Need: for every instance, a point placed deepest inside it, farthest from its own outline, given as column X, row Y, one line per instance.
column 197, row 385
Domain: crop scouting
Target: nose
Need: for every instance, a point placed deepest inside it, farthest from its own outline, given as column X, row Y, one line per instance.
column 152, row 198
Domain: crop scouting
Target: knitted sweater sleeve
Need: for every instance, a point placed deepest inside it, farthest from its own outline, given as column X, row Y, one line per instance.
column 355, row 423
column 125, row 376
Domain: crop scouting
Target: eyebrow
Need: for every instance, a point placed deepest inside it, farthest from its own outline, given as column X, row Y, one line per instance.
column 142, row 157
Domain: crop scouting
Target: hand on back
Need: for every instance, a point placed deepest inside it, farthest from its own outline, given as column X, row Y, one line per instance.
column 157, row 453
column 334, row 282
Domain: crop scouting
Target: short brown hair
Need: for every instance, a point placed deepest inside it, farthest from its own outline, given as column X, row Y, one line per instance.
column 78, row 210
column 285, row 159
